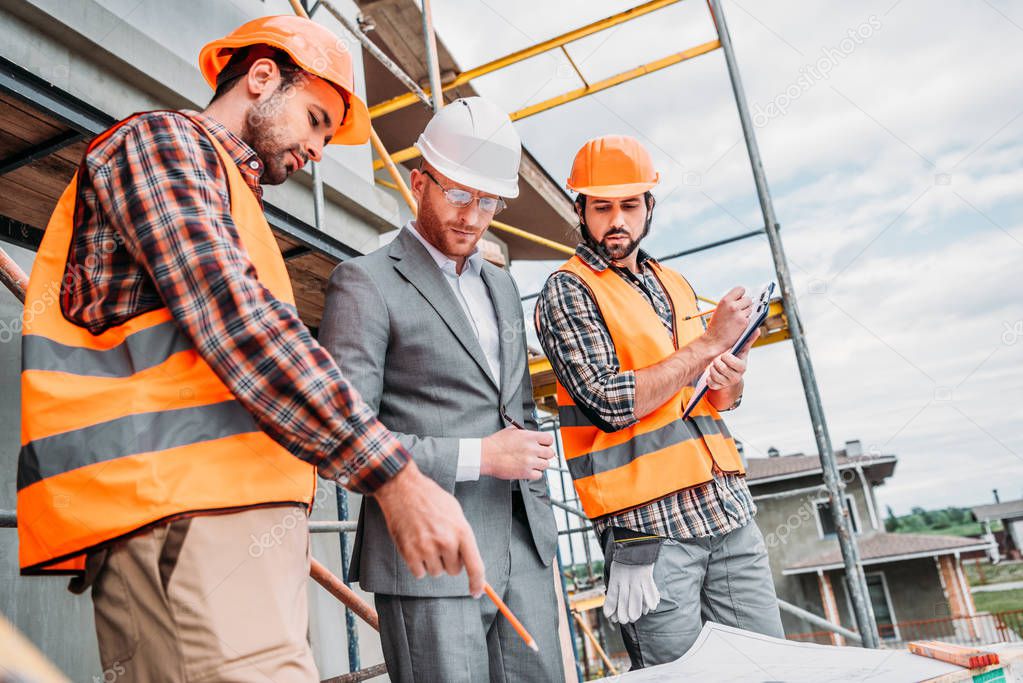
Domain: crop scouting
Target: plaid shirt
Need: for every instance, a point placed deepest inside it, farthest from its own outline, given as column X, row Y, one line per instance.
column 582, row 354
column 153, row 228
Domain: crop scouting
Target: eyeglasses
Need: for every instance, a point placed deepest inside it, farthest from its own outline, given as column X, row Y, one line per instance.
column 463, row 198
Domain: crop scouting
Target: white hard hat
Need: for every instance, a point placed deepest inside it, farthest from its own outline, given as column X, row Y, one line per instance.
column 475, row 144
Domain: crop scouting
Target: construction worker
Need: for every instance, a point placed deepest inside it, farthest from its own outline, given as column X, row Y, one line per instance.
column 667, row 496
column 432, row 337
column 175, row 409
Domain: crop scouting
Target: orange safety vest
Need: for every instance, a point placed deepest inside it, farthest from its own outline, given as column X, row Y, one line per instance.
column 662, row 453
column 131, row 427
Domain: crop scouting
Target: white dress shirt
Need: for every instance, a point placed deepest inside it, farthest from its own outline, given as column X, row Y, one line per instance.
column 474, row 297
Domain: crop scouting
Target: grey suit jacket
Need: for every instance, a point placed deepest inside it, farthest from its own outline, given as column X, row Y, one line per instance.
column 400, row 336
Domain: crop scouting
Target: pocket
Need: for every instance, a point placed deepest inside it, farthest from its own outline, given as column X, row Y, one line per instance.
column 665, row 605
column 117, row 624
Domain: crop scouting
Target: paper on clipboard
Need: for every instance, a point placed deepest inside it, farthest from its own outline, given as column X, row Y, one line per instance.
column 756, row 319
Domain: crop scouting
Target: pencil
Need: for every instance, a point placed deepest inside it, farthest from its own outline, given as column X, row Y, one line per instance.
column 516, row 624
column 701, row 313
column 509, row 419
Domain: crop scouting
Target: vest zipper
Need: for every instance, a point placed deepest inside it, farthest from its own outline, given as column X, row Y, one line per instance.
column 671, row 305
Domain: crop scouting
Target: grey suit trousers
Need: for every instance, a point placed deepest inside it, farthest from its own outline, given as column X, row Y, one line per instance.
column 730, row 580
column 462, row 640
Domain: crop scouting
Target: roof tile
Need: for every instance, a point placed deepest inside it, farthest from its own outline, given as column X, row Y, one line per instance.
column 879, row 545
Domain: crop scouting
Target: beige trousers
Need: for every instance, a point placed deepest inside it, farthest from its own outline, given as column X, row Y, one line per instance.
column 218, row 597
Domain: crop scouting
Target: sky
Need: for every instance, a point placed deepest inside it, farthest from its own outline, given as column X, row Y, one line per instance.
column 892, row 138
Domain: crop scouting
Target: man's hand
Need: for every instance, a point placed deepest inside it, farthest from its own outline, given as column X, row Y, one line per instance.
column 727, row 370
column 516, row 454
column 730, row 318
column 429, row 529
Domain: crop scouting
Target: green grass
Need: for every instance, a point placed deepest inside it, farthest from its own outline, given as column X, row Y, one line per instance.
column 961, row 529
column 999, row 601
column 964, row 529
column 950, row 521
column 998, row 573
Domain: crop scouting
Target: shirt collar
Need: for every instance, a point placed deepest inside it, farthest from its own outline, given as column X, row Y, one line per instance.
column 244, row 157
column 473, row 262
column 590, row 257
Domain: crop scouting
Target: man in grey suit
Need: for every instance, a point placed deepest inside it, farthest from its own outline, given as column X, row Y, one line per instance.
column 432, row 337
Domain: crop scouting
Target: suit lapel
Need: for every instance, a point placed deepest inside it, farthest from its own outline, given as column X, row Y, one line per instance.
column 502, row 294
column 417, row 266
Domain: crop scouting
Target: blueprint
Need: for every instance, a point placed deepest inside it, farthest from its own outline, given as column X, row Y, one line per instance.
column 722, row 653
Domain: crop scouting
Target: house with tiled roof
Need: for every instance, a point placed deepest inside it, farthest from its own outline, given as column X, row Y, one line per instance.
column 1010, row 515
column 913, row 579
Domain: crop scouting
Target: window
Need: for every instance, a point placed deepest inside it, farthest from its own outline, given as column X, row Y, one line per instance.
column 827, row 524
column 880, row 601
column 882, row 606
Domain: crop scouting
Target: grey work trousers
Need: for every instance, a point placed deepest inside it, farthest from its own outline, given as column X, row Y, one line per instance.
column 462, row 640
column 727, row 576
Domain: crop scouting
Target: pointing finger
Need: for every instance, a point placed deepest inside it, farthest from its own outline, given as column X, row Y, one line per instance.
column 470, row 555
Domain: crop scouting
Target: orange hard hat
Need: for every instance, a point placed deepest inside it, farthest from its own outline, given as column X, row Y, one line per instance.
column 312, row 47
column 613, row 166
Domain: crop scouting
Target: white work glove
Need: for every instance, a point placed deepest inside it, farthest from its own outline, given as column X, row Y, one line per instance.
column 631, row 592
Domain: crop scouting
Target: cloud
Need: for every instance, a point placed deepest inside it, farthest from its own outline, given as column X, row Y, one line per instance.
column 895, row 179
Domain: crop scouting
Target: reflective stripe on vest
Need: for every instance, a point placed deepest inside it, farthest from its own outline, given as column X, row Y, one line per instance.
column 127, row 428
column 144, row 349
column 613, row 457
column 130, row 435
column 662, row 453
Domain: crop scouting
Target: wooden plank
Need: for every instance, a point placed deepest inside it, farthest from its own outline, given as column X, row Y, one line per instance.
column 72, row 154
column 284, row 242
column 11, row 145
column 24, row 212
column 15, row 103
column 309, row 275
column 9, row 101
column 25, row 202
column 26, row 124
column 322, row 265
column 48, row 176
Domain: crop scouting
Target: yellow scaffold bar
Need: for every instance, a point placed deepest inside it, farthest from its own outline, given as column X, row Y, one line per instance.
column 404, row 100
column 519, row 232
column 632, row 74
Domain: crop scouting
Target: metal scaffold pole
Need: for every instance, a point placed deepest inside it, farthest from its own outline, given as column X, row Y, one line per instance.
column 862, row 610
column 432, row 59
column 369, row 46
column 341, row 496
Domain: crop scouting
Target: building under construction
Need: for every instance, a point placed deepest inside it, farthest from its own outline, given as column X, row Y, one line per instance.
column 69, row 70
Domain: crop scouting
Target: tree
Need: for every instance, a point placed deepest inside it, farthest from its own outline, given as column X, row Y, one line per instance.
column 891, row 523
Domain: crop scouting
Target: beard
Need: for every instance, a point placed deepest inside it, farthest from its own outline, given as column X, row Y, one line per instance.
column 268, row 140
column 617, row 251
column 441, row 234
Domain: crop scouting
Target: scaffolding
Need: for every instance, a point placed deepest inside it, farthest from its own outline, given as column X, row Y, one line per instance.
column 785, row 309
column 862, row 609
